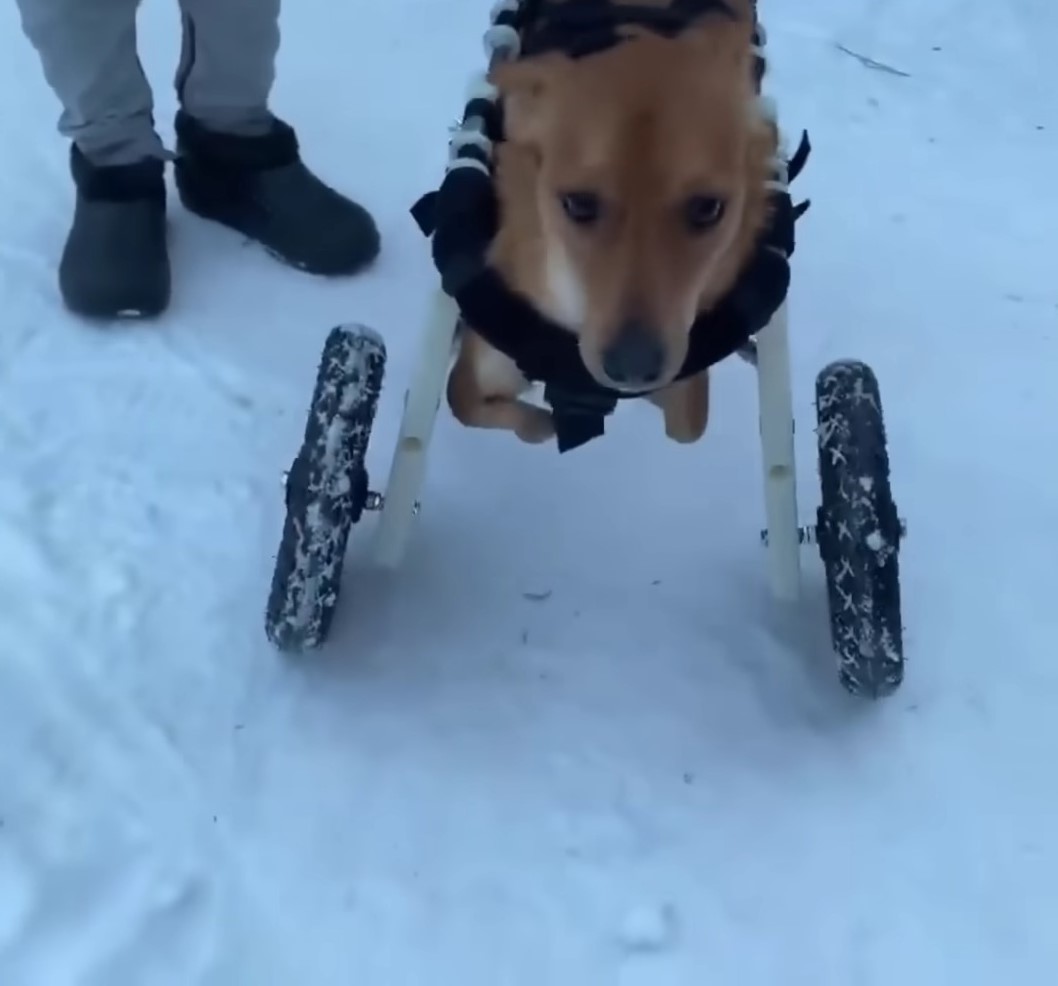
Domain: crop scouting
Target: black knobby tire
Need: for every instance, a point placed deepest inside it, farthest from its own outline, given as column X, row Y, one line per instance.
column 859, row 530
column 326, row 489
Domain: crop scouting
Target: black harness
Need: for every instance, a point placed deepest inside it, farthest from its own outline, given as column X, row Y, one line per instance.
column 463, row 217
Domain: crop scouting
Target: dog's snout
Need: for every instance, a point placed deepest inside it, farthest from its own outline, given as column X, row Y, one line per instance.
column 636, row 356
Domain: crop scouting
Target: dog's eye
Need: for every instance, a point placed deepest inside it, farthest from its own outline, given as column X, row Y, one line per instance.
column 702, row 212
column 582, row 208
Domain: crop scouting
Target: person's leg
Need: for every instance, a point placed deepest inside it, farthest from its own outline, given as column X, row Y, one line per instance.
column 239, row 165
column 227, row 64
column 87, row 50
column 115, row 260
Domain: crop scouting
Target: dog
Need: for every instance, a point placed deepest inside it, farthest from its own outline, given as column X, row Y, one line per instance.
column 633, row 188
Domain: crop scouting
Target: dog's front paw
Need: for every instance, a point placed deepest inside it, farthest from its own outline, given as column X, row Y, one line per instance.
column 535, row 425
column 684, row 432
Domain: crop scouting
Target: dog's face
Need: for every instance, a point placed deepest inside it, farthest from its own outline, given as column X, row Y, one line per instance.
column 650, row 162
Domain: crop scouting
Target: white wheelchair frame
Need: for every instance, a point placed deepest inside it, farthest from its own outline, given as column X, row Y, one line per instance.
column 770, row 353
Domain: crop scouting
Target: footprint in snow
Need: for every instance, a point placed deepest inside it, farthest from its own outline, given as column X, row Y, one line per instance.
column 648, row 929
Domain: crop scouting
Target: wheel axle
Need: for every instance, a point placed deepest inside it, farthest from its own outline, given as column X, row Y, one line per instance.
column 373, row 502
column 376, row 501
column 808, row 534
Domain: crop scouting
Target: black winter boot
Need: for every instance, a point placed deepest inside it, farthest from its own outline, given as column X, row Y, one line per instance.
column 260, row 187
column 116, row 259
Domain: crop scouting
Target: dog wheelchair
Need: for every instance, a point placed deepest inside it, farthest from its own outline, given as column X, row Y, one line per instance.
column 857, row 529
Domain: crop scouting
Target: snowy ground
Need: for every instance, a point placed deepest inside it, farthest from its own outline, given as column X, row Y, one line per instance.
column 651, row 775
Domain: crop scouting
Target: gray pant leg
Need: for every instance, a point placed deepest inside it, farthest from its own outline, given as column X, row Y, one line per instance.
column 87, row 49
column 227, row 64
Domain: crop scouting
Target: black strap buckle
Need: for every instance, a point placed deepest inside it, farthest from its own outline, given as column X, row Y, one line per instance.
column 579, row 417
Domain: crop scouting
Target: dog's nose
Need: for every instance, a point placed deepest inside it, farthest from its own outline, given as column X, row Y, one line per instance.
column 635, row 357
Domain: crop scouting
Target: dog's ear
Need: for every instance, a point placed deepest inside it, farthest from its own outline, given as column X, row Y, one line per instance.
column 526, row 87
column 724, row 44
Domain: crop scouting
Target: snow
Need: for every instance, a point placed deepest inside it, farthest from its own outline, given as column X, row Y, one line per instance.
column 573, row 740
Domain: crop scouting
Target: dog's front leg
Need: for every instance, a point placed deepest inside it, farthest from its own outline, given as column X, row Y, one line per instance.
column 484, row 387
column 685, row 406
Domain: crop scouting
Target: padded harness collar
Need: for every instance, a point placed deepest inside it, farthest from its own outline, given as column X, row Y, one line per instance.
column 462, row 217
column 586, row 27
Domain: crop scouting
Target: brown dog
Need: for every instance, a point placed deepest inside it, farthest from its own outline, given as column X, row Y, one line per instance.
column 632, row 185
